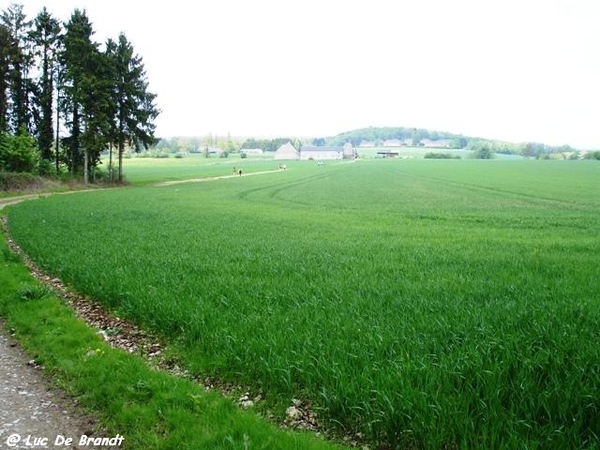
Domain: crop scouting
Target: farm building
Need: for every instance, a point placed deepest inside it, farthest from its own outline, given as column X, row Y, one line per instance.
column 287, row 151
column 318, row 153
column 440, row 143
column 349, row 151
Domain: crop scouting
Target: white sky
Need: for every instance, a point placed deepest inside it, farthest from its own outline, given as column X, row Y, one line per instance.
column 519, row 70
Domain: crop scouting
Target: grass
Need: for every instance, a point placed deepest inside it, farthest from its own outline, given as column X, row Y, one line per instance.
column 151, row 409
column 424, row 304
column 144, row 171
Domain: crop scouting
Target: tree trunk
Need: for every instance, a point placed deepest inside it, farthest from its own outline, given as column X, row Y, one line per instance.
column 110, row 164
column 57, row 142
column 120, row 163
column 85, row 165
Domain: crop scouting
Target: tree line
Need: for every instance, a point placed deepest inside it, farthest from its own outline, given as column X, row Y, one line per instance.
column 64, row 98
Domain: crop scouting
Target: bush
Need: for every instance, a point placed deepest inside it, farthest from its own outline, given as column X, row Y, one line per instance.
column 483, row 152
column 433, row 155
column 18, row 153
column 10, row 181
column 592, row 155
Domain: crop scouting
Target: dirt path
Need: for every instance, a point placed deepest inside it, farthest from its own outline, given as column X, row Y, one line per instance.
column 221, row 177
column 33, row 414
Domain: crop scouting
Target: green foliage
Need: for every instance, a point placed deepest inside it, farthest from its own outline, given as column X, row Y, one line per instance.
column 46, row 38
column 34, row 291
column 267, row 145
column 18, row 153
column 440, row 155
column 104, row 96
column 380, row 134
column 18, row 62
column 481, row 150
column 134, row 109
column 462, row 312
column 10, row 181
column 592, row 155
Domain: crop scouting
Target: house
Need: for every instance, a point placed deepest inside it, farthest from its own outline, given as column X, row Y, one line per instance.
column 309, row 152
column 349, row 151
column 439, row 143
column 287, row 151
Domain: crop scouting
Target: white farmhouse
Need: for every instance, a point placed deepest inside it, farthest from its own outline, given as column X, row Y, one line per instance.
column 287, row 152
column 309, row 152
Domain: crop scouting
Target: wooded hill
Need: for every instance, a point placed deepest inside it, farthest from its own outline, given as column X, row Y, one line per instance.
column 409, row 136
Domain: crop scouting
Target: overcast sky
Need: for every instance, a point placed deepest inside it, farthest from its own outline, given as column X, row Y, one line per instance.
column 519, row 70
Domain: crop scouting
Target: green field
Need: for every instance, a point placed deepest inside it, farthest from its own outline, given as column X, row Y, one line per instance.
column 423, row 304
column 141, row 171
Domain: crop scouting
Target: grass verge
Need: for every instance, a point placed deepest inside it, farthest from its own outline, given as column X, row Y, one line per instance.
column 151, row 409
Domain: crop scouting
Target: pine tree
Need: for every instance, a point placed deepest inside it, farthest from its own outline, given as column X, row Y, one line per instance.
column 6, row 43
column 135, row 108
column 80, row 60
column 46, row 37
column 20, row 86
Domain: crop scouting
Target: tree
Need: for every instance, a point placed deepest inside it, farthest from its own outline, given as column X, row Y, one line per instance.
column 6, row 42
column 134, row 104
column 46, row 37
column 482, row 150
column 86, row 94
column 20, row 61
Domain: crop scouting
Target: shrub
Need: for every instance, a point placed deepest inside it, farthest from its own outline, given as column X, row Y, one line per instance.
column 483, row 152
column 441, row 155
column 10, row 181
column 18, row 153
column 592, row 155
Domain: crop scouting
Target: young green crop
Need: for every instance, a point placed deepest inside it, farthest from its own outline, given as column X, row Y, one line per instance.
column 420, row 303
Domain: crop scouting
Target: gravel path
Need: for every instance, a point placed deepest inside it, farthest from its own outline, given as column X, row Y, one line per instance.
column 33, row 414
